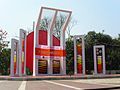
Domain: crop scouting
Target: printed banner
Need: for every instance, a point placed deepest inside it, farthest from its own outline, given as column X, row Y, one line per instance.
column 56, row 66
column 99, row 60
column 42, row 66
column 23, row 55
column 79, row 59
column 15, row 61
column 50, row 52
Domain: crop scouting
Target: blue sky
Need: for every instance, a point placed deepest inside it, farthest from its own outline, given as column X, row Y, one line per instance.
column 90, row 15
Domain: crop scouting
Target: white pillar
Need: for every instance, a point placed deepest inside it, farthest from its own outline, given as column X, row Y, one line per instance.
column 36, row 43
column 104, row 65
column 17, row 72
column 49, row 67
column 103, row 59
column 25, row 43
column 50, row 41
column 36, row 32
column 22, row 36
column 62, row 40
column 14, row 45
column 64, row 66
column 75, row 54
column 12, row 59
column 63, row 61
column 83, row 54
column 95, row 62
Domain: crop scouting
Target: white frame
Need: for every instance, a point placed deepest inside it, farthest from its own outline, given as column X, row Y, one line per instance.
column 22, row 32
column 37, row 67
column 103, row 58
column 12, row 57
column 75, row 54
column 49, row 39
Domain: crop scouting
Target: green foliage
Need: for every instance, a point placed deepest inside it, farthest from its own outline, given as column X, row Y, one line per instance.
column 5, row 62
column 92, row 38
column 112, row 50
column 28, row 72
column 69, row 56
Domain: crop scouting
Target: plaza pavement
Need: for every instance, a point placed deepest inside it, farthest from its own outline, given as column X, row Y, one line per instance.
column 77, row 84
column 74, row 82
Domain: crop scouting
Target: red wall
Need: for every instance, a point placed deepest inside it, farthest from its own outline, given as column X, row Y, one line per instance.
column 30, row 43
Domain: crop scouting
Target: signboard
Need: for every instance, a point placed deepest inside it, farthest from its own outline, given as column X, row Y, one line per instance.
column 79, row 56
column 49, row 52
column 23, row 55
column 42, row 66
column 56, row 66
column 15, row 58
column 99, row 60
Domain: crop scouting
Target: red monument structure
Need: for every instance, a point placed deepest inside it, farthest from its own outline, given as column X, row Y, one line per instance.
column 43, row 53
column 40, row 50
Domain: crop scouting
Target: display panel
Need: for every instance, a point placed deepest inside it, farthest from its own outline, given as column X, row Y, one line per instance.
column 42, row 66
column 23, row 54
column 79, row 55
column 15, row 57
column 99, row 60
column 56, row 66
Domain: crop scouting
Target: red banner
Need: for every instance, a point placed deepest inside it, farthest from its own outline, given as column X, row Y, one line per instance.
column 49, row 52
column 23, row 55
column 79, row 59
column 99, row 64
column 15, row 60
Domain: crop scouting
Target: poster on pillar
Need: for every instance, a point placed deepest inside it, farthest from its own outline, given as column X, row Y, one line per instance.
column 99, row 60
column 23, row 54
column 79, row 55
column 56, row 66
column 42, row 66
column 15, row 58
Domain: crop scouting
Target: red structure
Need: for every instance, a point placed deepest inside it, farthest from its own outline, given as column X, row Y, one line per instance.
column 79, row 59
column 30, row 43
column 40, row 51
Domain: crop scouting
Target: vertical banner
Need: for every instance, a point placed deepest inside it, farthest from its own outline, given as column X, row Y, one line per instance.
column 23, row 54
column 79, row 56
column 56, row 66
column 15, row 58
column 42, row 66
column 99, row 60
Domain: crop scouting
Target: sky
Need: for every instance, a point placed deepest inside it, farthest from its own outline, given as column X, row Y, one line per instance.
column 91, row 15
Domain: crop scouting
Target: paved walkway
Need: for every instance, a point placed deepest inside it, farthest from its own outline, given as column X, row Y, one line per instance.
column 77, row 84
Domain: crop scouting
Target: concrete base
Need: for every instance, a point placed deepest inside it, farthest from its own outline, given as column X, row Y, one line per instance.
column 64, row 77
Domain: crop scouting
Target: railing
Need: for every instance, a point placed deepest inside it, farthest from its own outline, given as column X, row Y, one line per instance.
column 113, row 71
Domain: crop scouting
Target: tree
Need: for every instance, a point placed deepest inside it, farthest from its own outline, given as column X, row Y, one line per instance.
column 5, row 62
column 70, row 56
column 112, row 50
column 60, row 20
column 4, row 54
